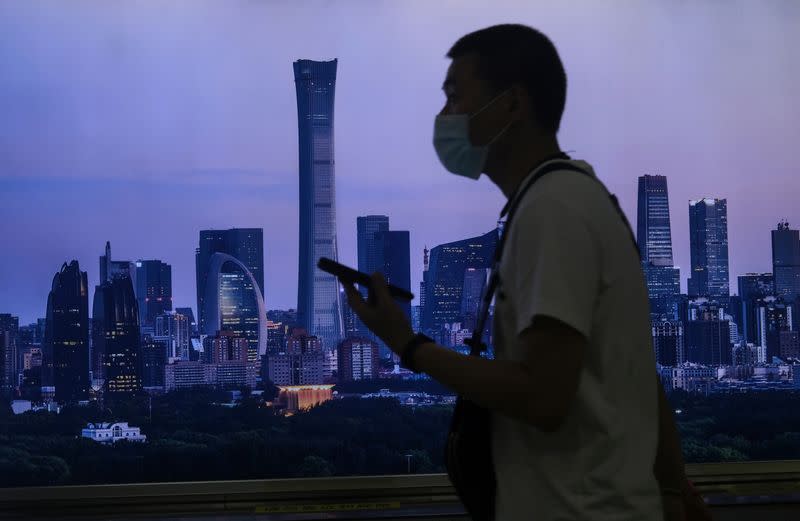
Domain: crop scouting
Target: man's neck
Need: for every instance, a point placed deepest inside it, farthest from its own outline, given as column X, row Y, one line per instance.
column 523, row 156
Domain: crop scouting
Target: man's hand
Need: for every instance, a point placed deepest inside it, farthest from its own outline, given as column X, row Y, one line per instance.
column 381, row 314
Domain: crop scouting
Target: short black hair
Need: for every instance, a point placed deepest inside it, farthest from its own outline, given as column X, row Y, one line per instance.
column 514, row 53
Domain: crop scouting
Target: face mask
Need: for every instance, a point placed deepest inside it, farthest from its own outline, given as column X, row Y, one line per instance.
column 452, row 144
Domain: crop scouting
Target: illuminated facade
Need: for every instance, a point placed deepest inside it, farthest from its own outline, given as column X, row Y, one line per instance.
column 303, row 397
column 66, row 336
column 233, row 302
column 319, row 309
column 116, row 341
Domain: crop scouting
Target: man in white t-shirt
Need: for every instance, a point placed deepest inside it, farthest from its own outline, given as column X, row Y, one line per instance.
column 572, row 390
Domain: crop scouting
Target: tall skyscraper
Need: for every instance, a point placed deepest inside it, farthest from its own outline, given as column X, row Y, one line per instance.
column 786, row 261
column 153, row 289
column 445, row 281
column 654, row 237
column 319, row 308
column 370, row 258
column 395, row 260
column 115, row 324
column 233, row 302
column 10, row 346
column 246, row 245
column 423, row 284
column 708, row 237
column 66, row 338
column 7, row 382
column 654, row 234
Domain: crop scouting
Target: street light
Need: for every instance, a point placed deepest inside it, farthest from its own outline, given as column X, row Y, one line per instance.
column 408, row 460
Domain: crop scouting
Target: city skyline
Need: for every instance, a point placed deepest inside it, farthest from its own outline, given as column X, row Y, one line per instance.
column 130, row 138
column 684, row 275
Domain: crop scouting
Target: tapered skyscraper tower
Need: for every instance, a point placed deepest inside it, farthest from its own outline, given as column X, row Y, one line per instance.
column 318, row 298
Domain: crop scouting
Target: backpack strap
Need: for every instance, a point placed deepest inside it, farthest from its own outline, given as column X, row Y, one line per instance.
column 475, row 343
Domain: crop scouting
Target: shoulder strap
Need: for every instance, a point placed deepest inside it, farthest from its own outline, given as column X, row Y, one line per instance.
column 475, row 343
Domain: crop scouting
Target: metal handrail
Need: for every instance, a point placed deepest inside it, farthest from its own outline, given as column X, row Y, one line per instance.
column 358, row 492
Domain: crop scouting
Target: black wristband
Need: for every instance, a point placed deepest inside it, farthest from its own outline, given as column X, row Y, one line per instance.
column 407, row 358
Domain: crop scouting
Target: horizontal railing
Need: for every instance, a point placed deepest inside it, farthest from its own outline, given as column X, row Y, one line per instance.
column 356, row 497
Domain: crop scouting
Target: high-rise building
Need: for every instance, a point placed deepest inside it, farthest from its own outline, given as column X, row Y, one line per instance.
column 153, row 289
column 708, row 238
column 246, row 245
column 754, row 286
column 174, row 331
column 663, row 288
column 786, row 261
column 653, row 224
column 370, row 260
column 229, row 354
column 668, row 342
column 6, row 356
column 654, row 237
column 9, row 322
column 475, row 280
column 233, row 302
column 772, row 316
column 66, row 338
column 154, row 359
column 109, row 268
column 350, row 321
column 358, row 359
column 31, row 369
column 445, row 281
column 300, row 364
column 319, row 308
column 395, row 260
column 423, row 284
column 370, row 252
column 187, row 312
column 227, row 347
column 115, row 324
column 707, row 335
column 415, row 317
column 10, row 344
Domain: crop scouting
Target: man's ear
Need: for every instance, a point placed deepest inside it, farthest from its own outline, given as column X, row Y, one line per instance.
column 519, row 102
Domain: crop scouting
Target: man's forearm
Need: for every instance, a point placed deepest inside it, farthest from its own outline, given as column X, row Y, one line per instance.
column 503, row 386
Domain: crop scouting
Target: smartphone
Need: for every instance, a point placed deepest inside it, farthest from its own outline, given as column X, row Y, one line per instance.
column 352, row 276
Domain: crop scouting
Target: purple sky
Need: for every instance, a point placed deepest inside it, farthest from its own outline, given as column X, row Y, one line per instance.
column 142, row 123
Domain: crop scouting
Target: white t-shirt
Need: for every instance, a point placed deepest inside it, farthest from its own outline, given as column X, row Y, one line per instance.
column 569, row 256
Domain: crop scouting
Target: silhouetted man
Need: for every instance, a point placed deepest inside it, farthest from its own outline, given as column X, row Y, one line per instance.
column 572, row 389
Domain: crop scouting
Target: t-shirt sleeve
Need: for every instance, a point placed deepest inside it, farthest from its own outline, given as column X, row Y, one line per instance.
column 554, row 264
